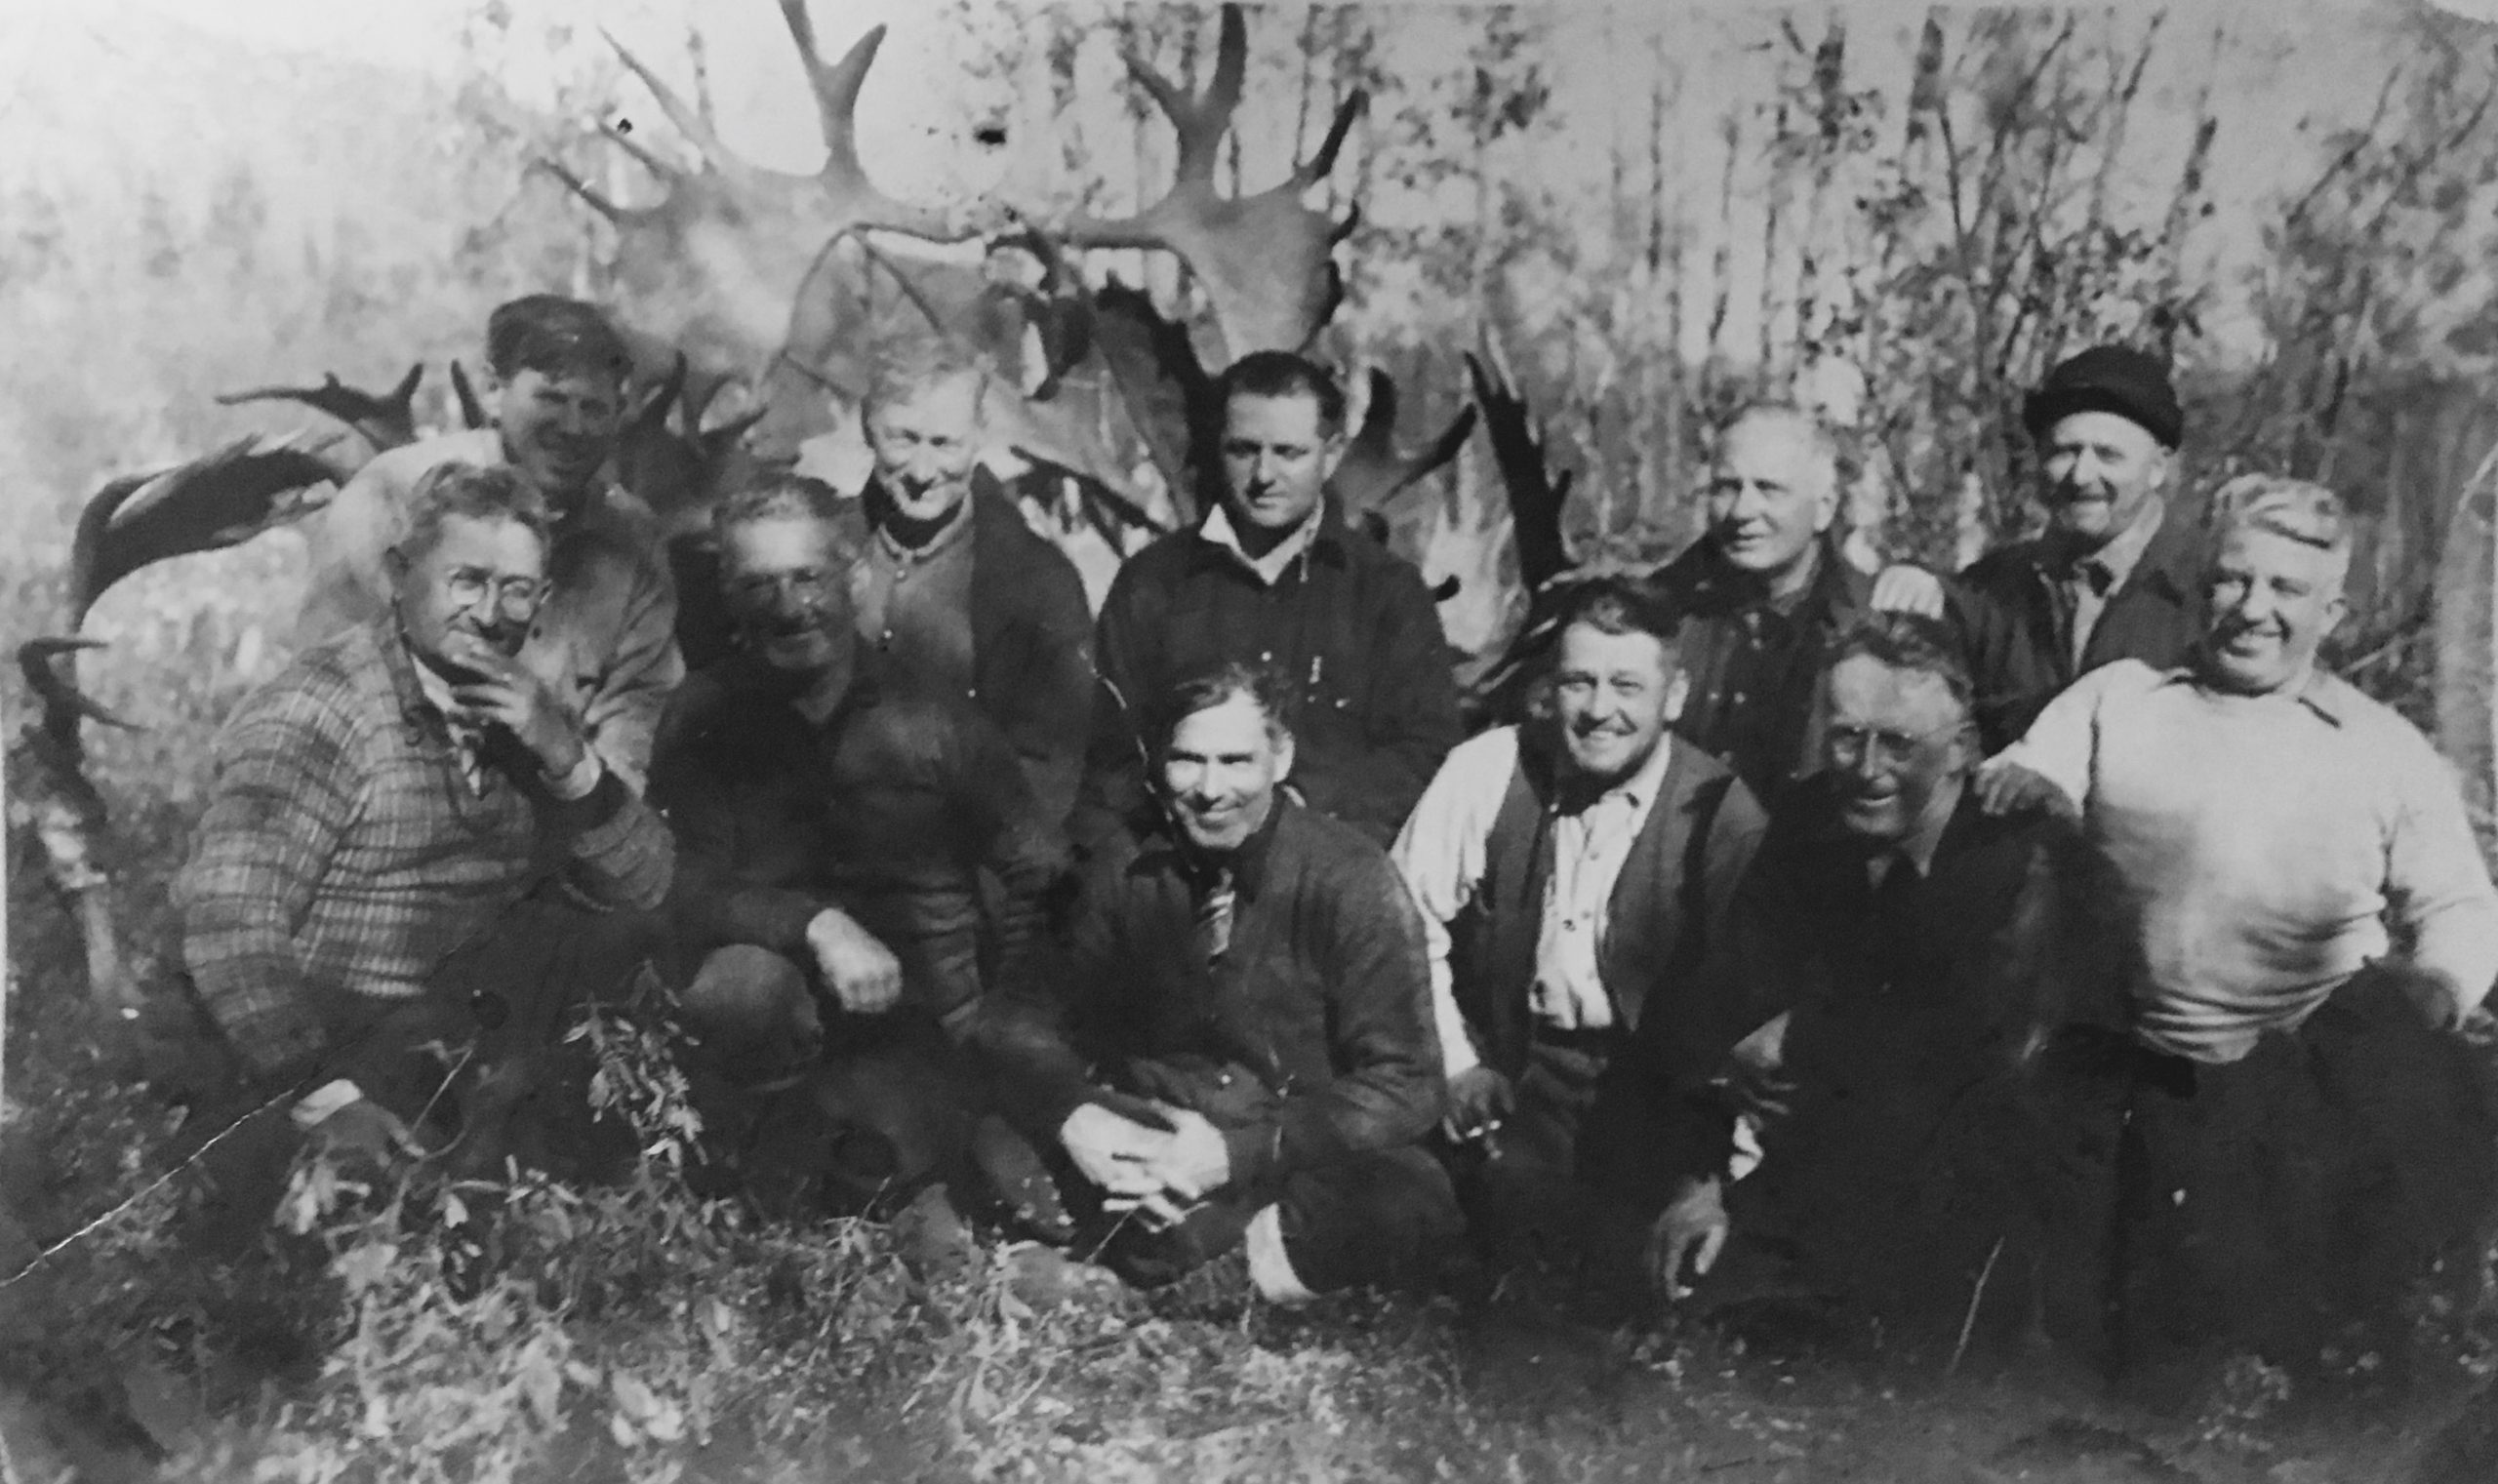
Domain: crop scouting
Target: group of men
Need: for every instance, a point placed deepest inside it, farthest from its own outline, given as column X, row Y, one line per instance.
column 2064, row 909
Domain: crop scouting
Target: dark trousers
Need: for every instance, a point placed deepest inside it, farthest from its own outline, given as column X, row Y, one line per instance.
column 2293, row 1199
column 1382, row 1218
column 476, row 1064
column 1578, row 1169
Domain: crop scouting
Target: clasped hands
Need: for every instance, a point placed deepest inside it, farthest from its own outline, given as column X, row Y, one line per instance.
column 1158, row 1174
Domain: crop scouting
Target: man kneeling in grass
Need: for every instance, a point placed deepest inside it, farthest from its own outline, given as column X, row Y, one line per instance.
column 1241, row 1054
column 365, row 886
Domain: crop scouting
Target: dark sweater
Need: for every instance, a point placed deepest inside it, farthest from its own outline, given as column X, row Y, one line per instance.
column 1350, row 628
column 1323, row 996
column 888, row 810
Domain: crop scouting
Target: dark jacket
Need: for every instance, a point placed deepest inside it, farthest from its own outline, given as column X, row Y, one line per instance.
column 2008, row 611
column 889, row 810
column 1931, row 1094
column 1324, row 997
column 1666, row 912
column 1756, row 672
column 1350, row 626
column 1032, row 646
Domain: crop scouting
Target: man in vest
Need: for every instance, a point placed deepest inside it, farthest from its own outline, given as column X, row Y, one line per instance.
column 954, row 594
column 1572, row 873
column 604, row 641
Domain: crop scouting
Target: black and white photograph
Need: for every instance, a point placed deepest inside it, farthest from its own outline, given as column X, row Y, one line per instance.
column 799, row 740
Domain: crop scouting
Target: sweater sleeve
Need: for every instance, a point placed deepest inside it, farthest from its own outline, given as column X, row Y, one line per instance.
column 285, row 795
column 622, row 716
column 2438, row 889
column 1127, row 656
column 1440, row 854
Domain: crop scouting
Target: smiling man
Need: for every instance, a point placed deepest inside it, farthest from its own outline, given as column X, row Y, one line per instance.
column 1573, row 875
column 604, row 640
column 382, row 811
column 842, row 828
column 1762, row 594
column 2301, row 1136
column 1275, row 576
column 2111, row 578
column 954, row 594
column 1924, row 958
column 1241, row 1054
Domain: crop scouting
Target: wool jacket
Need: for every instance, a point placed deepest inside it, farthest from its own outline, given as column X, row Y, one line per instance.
column 1754, row 671
column 890, row 808
column 1373, row 705
column 1032, row 646
column 2007, row 609
column 345, row 856
column 1324, row 997
column 1664, row 916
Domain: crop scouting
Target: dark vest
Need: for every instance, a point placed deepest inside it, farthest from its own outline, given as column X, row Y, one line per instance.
column 1656, row 920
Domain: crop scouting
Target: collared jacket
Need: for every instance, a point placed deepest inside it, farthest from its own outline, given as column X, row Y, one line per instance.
column 605, row 641
column 2007, row 609
column 1756, row 672
column 1032, row 646
column 1350, row 628
column 889, row 809
column 344, row 855
column 1323, row 996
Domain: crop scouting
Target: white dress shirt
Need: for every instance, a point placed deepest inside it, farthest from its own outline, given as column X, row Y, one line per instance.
column 1441, row 854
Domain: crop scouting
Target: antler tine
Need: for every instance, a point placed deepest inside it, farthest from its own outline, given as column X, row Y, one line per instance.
column 590, row 196
column 62, row 701
column 472, row 408
column 687, row 119
column 835, row 86
column 1372, row 471
column 1315, row 168
column 649, row 160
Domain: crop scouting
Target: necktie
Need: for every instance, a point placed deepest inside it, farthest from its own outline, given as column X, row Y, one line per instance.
column 1213, row 917
column 2095, row 575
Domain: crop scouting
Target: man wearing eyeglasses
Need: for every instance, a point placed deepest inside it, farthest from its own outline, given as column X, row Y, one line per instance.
column 1922, row 956
column 380, row 812
column 832, row 835
column 1573, row 875
column 603, row 640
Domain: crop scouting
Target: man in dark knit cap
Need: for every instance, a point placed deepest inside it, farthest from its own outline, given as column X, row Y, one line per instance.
column 2111, row 577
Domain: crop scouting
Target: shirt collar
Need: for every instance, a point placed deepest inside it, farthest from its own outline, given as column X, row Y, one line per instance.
column 2323, row 693
column 958, row 521
column 1219, row 532
column 2124, row 551
column 1921, row 845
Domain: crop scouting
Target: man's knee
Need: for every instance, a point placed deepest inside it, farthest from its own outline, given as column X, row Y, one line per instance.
column 1388, row 1218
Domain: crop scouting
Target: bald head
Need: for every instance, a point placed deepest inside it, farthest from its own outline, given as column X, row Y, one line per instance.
column 1773, row 490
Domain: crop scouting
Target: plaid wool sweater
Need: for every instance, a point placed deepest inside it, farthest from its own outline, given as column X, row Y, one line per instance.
column 345, row 856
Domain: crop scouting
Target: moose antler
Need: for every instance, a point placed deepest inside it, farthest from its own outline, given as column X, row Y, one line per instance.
column 1372, row 471
column 1265, row 259
column 1536, row 494
column 384, row 419
column 717, row 261
column 217, row 500
column 472, row 407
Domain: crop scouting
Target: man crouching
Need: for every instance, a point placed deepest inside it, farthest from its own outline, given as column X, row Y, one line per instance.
column 383, row 809
column 834, row 834
column 1242, row 1054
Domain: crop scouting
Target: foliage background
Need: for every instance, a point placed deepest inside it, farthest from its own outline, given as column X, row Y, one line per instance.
column 1899, row 218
